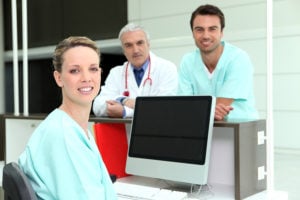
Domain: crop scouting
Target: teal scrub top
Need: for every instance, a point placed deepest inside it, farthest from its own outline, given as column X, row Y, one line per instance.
column 63, row 163
column 232, row 78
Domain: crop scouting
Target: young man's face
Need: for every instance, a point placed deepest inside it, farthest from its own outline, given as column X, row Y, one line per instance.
column 207, row 32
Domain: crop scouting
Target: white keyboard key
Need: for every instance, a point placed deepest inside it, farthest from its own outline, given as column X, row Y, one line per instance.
column 163, row 194
column 135, row 191
column 177, row 195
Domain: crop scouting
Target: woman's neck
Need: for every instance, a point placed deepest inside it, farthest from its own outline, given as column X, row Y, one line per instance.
column 79, row 114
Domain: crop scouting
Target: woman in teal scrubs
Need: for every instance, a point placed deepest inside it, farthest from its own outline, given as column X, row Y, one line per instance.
column 61, row 158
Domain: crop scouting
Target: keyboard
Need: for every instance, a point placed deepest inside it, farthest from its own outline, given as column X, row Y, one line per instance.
column 140, row 192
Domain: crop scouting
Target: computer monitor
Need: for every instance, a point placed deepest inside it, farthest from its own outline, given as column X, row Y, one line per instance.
column 171, row 138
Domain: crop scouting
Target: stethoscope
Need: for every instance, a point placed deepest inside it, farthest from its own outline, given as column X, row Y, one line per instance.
column 148, row 79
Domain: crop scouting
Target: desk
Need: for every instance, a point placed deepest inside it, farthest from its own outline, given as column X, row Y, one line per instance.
column 235, row 158
column 217, row 191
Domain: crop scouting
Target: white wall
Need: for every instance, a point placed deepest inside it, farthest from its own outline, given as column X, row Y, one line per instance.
column 168, row 24
column 286, row 74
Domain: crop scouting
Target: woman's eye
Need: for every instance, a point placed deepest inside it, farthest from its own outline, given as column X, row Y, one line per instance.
column 95, row 69
column 74, row 71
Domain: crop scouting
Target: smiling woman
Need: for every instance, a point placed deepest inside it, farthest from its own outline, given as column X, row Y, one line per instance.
column 64, row 134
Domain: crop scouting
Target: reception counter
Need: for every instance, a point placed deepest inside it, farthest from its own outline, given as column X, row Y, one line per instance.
column 238, row 154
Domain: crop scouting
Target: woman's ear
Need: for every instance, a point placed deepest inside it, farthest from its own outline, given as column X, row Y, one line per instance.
column 57, row 77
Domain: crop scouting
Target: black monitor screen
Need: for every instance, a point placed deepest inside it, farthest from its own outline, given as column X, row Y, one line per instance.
column 172, row 128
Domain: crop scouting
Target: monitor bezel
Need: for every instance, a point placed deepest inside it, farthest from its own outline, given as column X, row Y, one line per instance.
column 169, row 170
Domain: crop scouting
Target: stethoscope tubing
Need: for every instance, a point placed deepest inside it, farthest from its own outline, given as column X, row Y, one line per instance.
column 126, row 91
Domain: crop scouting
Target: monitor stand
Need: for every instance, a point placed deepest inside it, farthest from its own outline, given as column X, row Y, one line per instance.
column 194, row 191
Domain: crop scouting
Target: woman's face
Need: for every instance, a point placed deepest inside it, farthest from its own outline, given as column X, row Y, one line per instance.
column 80, row 76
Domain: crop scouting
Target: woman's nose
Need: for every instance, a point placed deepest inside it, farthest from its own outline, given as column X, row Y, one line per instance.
column 85, row 76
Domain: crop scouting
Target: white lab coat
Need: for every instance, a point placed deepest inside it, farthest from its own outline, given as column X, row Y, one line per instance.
column 163, row 74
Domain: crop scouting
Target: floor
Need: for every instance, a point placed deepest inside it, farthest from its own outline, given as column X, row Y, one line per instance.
column 287, row 174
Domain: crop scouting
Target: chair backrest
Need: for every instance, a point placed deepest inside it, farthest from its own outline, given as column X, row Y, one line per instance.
column 112, row 143
column 15, row 184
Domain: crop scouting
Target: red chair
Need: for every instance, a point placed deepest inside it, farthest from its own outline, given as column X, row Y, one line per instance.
column 111, row 139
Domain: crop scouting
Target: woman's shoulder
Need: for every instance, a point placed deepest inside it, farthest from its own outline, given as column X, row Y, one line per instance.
column 50, row 127
column 54, row 117
column 53, row 122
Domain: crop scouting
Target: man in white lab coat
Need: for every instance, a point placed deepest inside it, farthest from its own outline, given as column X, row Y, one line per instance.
column 144, row 74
